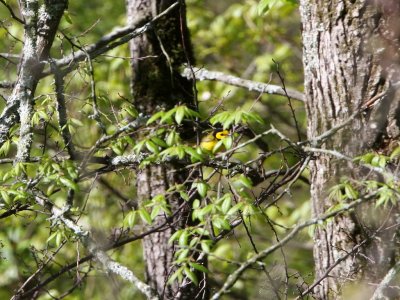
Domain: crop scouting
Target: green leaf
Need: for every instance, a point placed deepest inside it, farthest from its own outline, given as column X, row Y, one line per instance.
column 159, row 142
column 171, row 138
column 155, row 117
column 69, row 183
column 395, row 153
column 59, row 238
column 180, row 151
column 335, row 193
column 175, row 236
column 50, row 189
column 191, row 113
column 226, row 204
column 202, row 188
column 180, row 114
column 183, row 239
column 19, row 168
column 75, row 122
column 116, row 148
column 154, row 212
column 130, row 219
column 205, row 246
column 201, row 231
column 145, row 216
column 183, row 254
column 167, row 118
column 252, row 117
column 194, row 155
column 218, row 146
column 238, row 117
column 67, row 17
column 176, row 275
column 235, row 208
column 350, row 192
column 196, row 204
column 228, row 142
column 131, row 111
column 221, row 223
column 375, row 161
column 7, row 199
column 382, row 161
column 191, row 275
column 139, row 146
column 245, row 181
column 152, row 147
column 184, row 195
column 52, row 236
column 5, row 148
column 198, row 267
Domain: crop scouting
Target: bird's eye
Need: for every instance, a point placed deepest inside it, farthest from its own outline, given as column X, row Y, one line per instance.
column 221, row 134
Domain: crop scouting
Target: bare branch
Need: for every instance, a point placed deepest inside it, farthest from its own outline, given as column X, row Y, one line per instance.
column 204, row 74
column 382, row 171
column 62, row 110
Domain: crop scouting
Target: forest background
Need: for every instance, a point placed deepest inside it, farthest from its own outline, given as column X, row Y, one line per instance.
column 244, row 203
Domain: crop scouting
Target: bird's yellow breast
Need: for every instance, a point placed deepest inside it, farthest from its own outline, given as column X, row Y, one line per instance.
column 209, row 141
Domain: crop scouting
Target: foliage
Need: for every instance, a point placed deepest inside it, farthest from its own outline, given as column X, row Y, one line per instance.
column 245, row 195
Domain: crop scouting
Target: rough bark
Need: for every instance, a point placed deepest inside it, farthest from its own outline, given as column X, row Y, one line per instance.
column 351, row 55
column 157, row 84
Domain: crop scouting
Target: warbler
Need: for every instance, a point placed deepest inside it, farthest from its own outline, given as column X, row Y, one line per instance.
column 209, row 141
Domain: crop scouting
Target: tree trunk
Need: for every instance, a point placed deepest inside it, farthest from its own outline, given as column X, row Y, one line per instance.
column 157, row 84
column 351, row 61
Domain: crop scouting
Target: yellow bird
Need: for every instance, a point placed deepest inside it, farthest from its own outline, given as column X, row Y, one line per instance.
column 209, row 141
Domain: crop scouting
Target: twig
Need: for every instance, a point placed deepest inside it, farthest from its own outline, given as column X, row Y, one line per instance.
column 339, row 155
column 289, row 99
column 62, row 110
column 12, row 12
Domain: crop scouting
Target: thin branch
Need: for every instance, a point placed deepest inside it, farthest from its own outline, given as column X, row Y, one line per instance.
column 289, row 99
column 381, row 171
column 204, row 74
column 62, row 109
column 12, row 12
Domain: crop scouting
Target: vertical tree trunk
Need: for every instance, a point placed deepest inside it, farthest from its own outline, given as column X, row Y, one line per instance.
column 157, row 84
column 351, row 56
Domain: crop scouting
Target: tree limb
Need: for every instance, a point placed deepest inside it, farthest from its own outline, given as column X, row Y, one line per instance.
column 204, row 74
